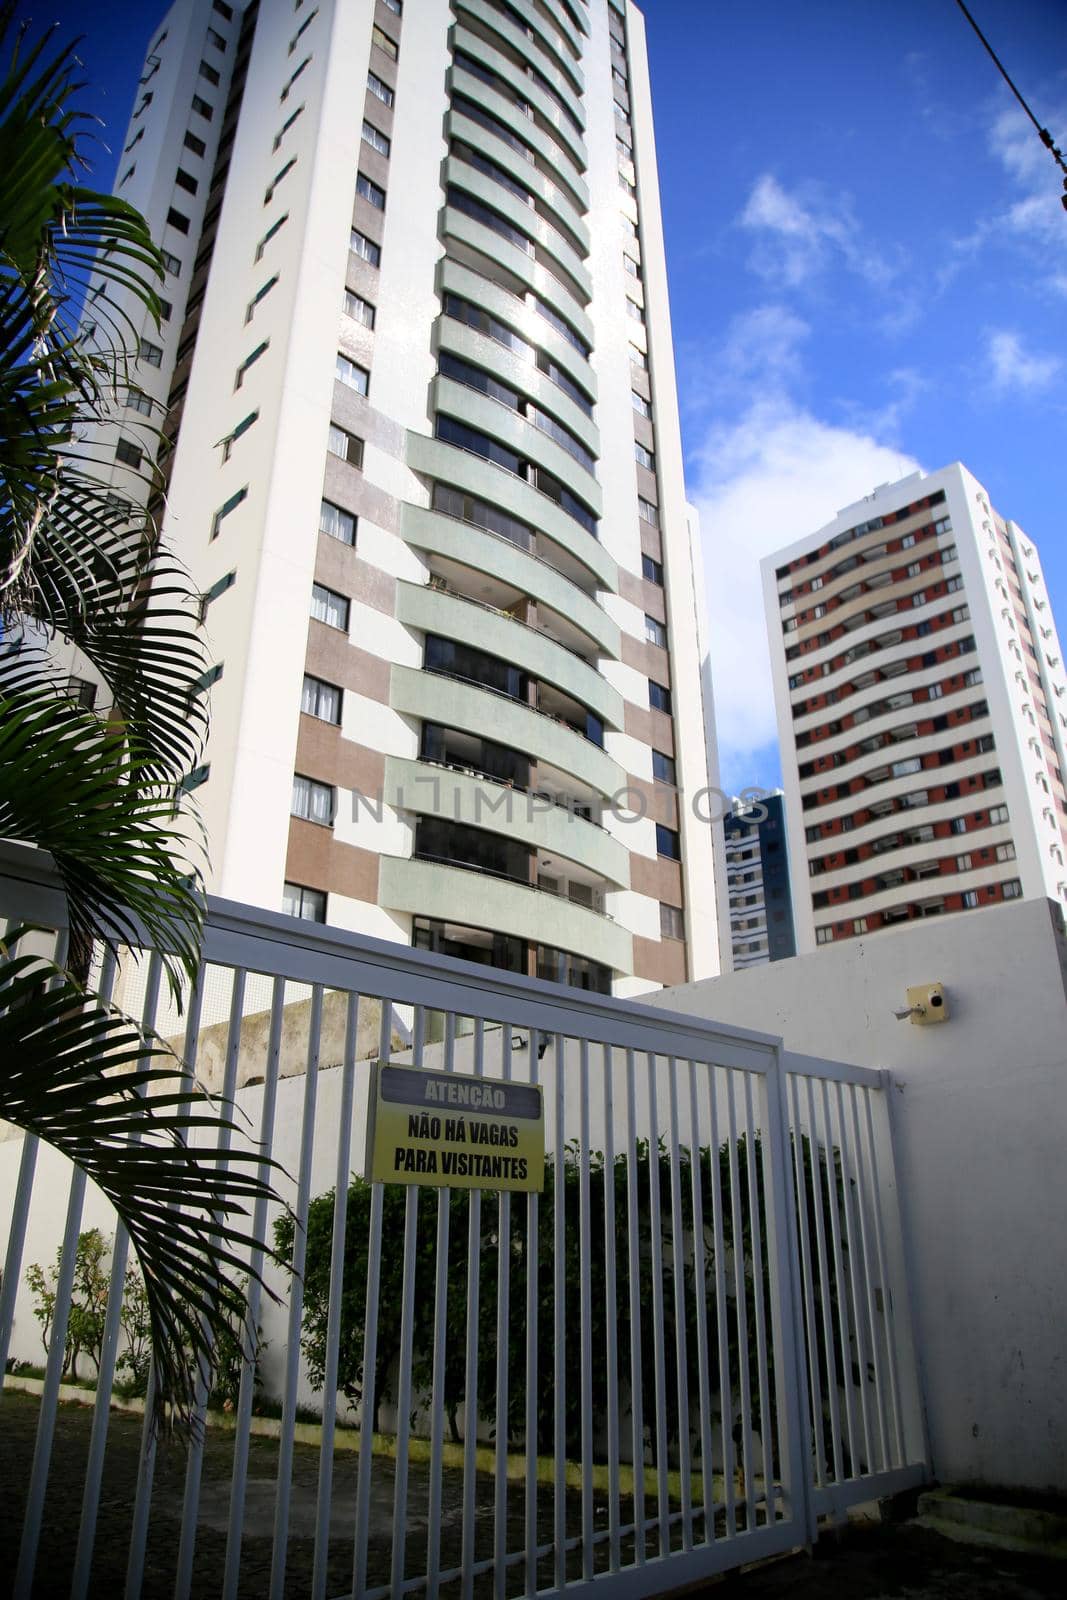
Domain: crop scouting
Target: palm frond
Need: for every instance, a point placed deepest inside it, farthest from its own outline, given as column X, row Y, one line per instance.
column 88, row 1081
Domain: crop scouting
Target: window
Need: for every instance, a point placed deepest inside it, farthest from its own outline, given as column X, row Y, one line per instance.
column 321, row 699
column 395, row 6
column 176, row 219
column 330, row 607
column 146, row 101
column 662, row 767
column 224, row 510
column 652, row 570
column 655, row 632
column 359, row 309
column 242, row 427
column 372, row 192
column 82, row 693
column 360, row 245
column 207, row 71
column 383, row 41
column 293, row 77
column 223, row 9
column 659, row 696
column 668, row 842
column 138, row 135
column 250, row 361
column 642, row 406
column 128, row 174
column 345, row 445
column 970, row 899
column 261, row 294
column 310, row 904
column 1012, row 890
column 128, row 453
column 286, row 125
column 171, row 263
column 138, row 401
column 998, row 814
column 218, row 588
column 337, row 523
column 647, row 511
column 1006, row 852
column 269, row 235
column 671, row 922
column 638, row 358
column 216, row 39
column 202, row 108
column 964, row 862
column 353, row 376
column 375, row 138
column 186, row 181
column 643, row 457
column 381, row 89
column 152, row 353
column 276, row 180
column 824, row 935
column 308, row 20
column 312, row 801
column 197, row 146
column 196, row 778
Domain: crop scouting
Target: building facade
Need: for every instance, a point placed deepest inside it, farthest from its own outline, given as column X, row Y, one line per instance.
column 425, row 466
column 922, row 711
column 757, row 882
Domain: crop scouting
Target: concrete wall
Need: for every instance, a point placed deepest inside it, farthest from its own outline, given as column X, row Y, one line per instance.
column 980, row 1108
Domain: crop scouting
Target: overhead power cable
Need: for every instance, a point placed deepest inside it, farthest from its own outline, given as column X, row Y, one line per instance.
column 1043, row 133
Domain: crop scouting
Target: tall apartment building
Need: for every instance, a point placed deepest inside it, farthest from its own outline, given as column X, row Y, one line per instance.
column 757, row 882
column 425, row 467
column 922, row 711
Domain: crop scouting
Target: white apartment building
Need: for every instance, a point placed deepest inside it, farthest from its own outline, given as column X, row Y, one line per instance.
column 418, row 380
column 922, row 711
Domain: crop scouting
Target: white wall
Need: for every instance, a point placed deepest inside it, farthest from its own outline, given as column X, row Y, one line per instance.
column 980, row 1105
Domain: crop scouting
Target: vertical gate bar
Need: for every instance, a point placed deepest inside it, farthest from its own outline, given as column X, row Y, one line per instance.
column 109, row 1348
column 53, row 1377
column 246, row 1391
column 283, row 1490
column 862, row 1202
column 811, row 1341
column 611, row 1314
column 365, row 1461
column 633, row 1273
column 700, row 1286
column 740, row 1298
column 897, row 1458
column 759, row 1307
column 913, row 1410
column 533, row 1295
column 559, row 1291
column 440, row 1342
column 825, row 1292
column 342, row 1169
column 191, row 1499
column 398, row 1558
column 787, row 1321
column 658, row 1328
column 715, row 1077
column 503, row 1354
column 840, row 1287
column 856, row 1268
column 585, row 1302
column 470, row 1365
column 681, row 1352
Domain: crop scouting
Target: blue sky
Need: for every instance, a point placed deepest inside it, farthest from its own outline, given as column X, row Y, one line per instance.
column 868, row 264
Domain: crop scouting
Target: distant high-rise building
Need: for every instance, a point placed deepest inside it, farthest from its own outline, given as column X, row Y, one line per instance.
column 922, row 711
column 757, row 882
column 418, row 384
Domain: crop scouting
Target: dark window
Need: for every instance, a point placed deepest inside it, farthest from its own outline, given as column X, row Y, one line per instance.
column 207, row 71
column 309, row 904
column 197, row 146
column 659, row 697
column 186, row 181
column 176, row 220
column 224, row 510
column 663, row 769
column 128, row 453
column 370, row 191
column 463, row 661
column 202, row 108
column 652, row 570
column 668, row 842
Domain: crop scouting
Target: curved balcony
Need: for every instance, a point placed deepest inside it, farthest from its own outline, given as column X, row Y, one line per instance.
column 435, row 791
column 470, row 344
column 520, row 264
column 526, row 89
column 491, row 553
column 554, row 200
column 434, row 611
column 455, row 278
column 492, row 100
column 523, row 217
column 511, row 429
column 573, row 25
column 436, row 698
column 457, row 894
column 541, row 47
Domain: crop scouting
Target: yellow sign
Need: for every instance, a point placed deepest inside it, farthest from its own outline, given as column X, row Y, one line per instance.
column 450, row 1130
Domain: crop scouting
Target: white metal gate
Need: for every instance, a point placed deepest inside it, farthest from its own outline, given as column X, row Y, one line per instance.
column 691, row 1344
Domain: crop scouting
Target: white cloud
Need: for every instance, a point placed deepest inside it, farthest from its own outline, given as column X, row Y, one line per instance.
column 1014, row 368
column 801, row 234
column 775, row 473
